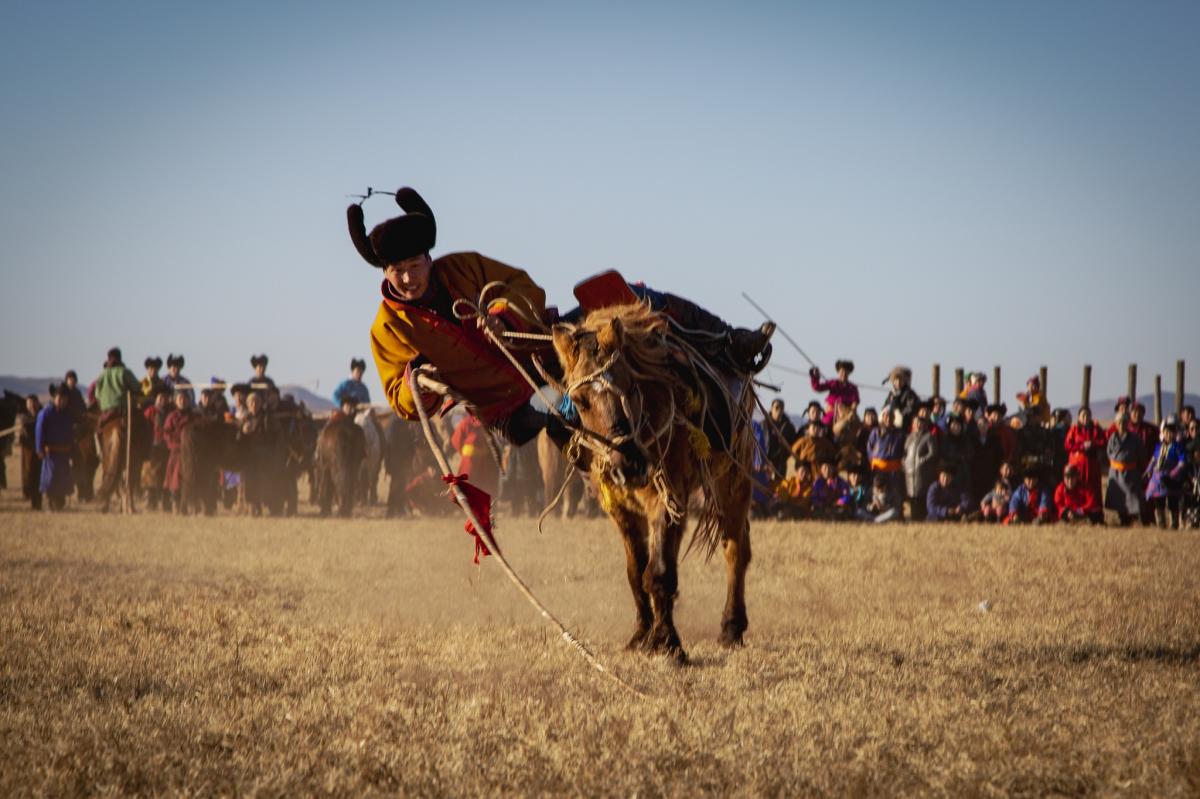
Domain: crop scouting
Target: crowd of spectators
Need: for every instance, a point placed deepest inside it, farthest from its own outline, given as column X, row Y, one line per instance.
column 973, row 460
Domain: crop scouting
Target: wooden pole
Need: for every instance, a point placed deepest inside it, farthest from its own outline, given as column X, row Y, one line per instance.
column 1132, row 387
column 958, row 381
column 1178, row 388
column 1086, row 400
column 1158, row 399
column 996, row 386
column 937, row 379
column 1043, row 372
column 128, row 451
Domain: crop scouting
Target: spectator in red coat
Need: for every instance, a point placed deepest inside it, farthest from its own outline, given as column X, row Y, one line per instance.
column 1074, row 501
column 1085, row 444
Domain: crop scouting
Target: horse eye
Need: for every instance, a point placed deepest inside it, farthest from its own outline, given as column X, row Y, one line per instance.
column 581, row 402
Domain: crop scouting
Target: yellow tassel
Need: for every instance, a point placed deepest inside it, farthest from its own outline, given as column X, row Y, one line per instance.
column 700, row 443
column 691, row 403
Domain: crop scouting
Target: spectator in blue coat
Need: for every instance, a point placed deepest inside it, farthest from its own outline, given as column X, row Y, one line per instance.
column 55, row 434
column 1030, row 503
column 945, row 501
column 353, row 387
column 1164, row 476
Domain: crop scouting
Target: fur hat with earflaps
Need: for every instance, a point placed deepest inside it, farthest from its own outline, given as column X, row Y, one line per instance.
column 174, row 360
column 358, row 363
column 153, row 362
column 398, row 238
column 258, row 360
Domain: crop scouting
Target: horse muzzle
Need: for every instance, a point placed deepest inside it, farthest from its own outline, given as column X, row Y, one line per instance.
column 627, row 466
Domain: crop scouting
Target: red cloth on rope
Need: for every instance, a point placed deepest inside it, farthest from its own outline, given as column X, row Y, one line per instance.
column 481, row 505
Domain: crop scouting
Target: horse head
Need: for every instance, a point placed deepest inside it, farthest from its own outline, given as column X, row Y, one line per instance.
column 610, row 364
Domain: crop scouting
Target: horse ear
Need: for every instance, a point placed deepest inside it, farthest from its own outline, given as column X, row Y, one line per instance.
column 612, row 336
column 564, row 345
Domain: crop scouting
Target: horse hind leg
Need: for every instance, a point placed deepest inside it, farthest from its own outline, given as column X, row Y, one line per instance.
column 736, row 524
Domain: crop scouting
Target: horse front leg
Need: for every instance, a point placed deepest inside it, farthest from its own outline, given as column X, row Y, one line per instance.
column 633, row 533
column 661, row 581
column 736, row 525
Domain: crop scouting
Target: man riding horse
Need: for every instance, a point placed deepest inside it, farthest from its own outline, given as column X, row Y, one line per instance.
column 421, row 320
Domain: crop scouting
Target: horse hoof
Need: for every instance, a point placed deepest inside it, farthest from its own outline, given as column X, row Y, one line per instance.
column 638, row 641
column 677, row 654
column 731, row 634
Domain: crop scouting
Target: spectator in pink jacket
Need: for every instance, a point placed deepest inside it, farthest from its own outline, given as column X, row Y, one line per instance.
column 841, row 391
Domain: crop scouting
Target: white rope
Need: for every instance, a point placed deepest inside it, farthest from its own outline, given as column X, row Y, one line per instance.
column 415, row 377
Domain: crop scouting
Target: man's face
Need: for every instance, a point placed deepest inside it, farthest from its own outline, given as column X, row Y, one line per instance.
column 776, row 410
column 944, row 479
column 1137, row 414
column 843, row 374
column 1071, row 480
column 71, row 381
column 31, row 405
column 827, row 470
column 173, row 371
column 181, row 400
column 409, row 278
column 60, row 400
column 814, row 413
column 152, row 371
column 357, row 374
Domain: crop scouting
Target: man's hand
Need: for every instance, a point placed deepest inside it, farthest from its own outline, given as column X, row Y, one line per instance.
column 492, row 324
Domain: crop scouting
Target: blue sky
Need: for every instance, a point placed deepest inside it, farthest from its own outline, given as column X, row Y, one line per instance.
column 967, row 183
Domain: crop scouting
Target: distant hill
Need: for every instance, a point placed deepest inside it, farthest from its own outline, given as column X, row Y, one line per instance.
column 27, row 385
column 41, row 386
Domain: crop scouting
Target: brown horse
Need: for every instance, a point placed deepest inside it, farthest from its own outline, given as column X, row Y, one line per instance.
column 121, row 458
column 659, row 425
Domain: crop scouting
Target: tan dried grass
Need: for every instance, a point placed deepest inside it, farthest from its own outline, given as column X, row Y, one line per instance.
column 158, row 655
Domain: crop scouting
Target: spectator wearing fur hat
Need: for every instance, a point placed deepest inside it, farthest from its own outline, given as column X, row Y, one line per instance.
column 1074, row 501
column 901, row 397
column 353, row 385
column 1030, row 503
column 975, row 389
column 1126, row 460
column 259, row 381
column 75, row 402
column 1164, row 475
column 840, row 390
column 152, row 381
column 885, row 451
column 1034, row 406
column 920, row 466
column 1085, row 444
column 174, row 377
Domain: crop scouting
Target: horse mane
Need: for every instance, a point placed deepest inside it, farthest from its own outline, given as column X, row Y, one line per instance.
column 644, row 333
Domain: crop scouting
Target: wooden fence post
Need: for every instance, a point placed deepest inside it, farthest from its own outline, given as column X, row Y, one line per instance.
column 1132, row 385
column 1158, row 399
column 937, row 379
column 1087, row 386
column 958, row 381
column 996, row 386
column 1178, row 388
column 1043, row 373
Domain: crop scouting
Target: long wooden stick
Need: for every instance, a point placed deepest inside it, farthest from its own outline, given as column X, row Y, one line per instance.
column 416, row 378
column 129, row 452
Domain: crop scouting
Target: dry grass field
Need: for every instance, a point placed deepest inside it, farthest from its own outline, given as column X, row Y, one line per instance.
column 160, row 655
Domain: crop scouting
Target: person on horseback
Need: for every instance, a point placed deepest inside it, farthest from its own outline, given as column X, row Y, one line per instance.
column 353, row 386
column 429, row 315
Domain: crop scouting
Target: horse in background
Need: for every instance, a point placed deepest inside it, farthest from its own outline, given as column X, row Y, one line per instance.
column 122, row 452
column 658, row 424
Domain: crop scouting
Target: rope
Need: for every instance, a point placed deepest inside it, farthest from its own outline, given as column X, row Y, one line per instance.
column 414, row 377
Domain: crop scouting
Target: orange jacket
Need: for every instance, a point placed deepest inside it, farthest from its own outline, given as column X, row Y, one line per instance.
column 466, row 360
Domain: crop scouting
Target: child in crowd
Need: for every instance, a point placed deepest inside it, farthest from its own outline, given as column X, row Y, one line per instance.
column 884, row 505
column 1165, row 475
column 1030, row 503
column 945, row 502
column 795, row 494
column 994, row 505
column 1074, row 500
column 813, row 446
column 857, row 496
column 830, row 493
